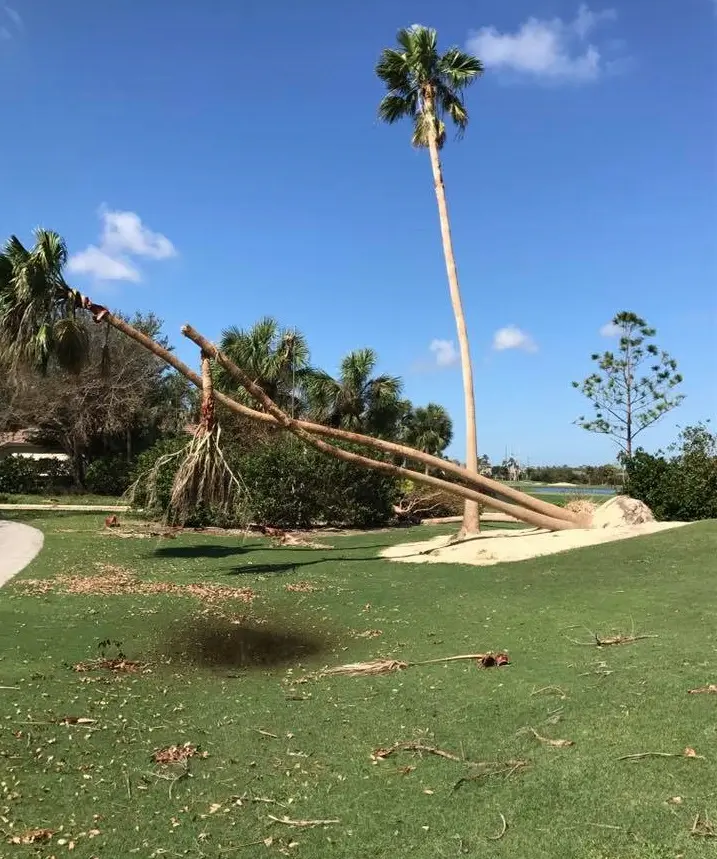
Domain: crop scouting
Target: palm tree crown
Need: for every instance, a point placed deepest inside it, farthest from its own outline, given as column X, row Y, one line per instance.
column 37, row 308
column 425, row 86
column 429, row 429
column 356, row 400
column 276, row 358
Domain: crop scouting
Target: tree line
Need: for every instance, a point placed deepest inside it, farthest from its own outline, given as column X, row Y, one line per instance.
column 122, row 399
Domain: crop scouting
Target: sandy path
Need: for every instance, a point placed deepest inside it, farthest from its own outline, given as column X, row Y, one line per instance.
column 18, row 546
column 495, row 547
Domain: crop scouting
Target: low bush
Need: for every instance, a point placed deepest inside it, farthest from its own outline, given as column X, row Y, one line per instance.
column 680, row 485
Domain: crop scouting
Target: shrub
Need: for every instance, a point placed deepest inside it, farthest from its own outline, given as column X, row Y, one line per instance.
column 291, row 485
column 27, row 476
column 680, row 487
column 109, row 475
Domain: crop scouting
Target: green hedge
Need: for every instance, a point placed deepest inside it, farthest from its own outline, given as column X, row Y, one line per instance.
column 25, row 476
column 109, row 475
column 681, row 487
column 290, row 485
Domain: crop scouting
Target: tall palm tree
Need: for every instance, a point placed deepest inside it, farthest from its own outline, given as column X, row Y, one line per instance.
column 427, row 88
column 429, row 429
column 356, row 400
column 276, row 357
column 37, row 309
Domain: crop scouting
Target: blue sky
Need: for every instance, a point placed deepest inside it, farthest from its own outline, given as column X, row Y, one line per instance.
column 219, row 162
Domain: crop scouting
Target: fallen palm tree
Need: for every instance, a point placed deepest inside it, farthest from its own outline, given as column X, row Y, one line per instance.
column 39, row 319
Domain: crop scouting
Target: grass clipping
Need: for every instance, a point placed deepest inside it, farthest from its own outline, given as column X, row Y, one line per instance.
column 204, row 477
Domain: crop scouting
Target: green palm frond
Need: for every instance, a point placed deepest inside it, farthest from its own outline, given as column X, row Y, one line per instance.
column 424, row 85
column 36, row 313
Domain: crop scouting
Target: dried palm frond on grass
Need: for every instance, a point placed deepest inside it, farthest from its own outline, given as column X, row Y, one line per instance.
column 204, row 477
column 388, row 666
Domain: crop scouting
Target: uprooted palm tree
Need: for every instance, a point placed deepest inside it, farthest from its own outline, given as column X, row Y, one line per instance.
column 70, row 302
column 276, row 358
column 427, row 88
column 356, row 400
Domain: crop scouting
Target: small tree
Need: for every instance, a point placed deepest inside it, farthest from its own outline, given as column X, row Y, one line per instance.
column 633, row 387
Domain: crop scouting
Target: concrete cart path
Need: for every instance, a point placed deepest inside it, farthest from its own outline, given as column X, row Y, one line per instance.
column 18, row 546
column 69, row 508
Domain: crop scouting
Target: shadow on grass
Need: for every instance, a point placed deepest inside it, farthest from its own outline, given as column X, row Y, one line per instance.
column 222, row 551
column 210, row 551
column 281, row 568
column 215, row 642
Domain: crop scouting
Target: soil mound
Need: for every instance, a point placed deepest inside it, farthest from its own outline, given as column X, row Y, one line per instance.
column 620, row 511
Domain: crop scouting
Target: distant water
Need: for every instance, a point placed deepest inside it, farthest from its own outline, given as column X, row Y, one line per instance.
column 572, row 490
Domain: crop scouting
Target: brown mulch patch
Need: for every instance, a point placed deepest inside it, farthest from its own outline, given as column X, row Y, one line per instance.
column 114, row 580
column 301, row 588
column 119, row 664
column 177, row 754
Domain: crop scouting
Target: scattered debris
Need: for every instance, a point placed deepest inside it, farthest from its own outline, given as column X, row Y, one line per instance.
column 388, row 666
column 113, row 580
column 77, row 720
column 117, row 664
column 382, row 754
column 369, row 633
column 360, row 669
column 177, row 754
column 703, row 827
column 301, row 588
column 611, row 640
column 478, row 769
column 550, row 690
column 32, row 836
column 711, row 689
column 559, row 744
column 502, row 831
column 487, row 769
column 302, row 824
column 686, row 753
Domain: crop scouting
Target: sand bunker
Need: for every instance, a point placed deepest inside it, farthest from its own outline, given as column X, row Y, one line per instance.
column 618, row 519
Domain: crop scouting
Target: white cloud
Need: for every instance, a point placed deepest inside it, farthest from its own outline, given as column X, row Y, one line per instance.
column 123, row 237
column 511, row 337
column 445, row 352
column 124, row 233
column 549, row 50
column 609, row 329
column 95, row 262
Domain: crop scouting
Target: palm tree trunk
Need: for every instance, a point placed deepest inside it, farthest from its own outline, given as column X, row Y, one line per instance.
column 471, row 515
column 528, row 503
column 295, row 427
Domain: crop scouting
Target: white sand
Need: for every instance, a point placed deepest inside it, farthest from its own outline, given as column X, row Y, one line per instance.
column 499, row 546
column 618, row 519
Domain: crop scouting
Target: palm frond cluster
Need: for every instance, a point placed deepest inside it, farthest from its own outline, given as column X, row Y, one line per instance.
column 38, row 311
column 424, row 85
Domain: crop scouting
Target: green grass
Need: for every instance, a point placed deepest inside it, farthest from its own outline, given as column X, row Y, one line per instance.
column 87, row 498
column 218, row 684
